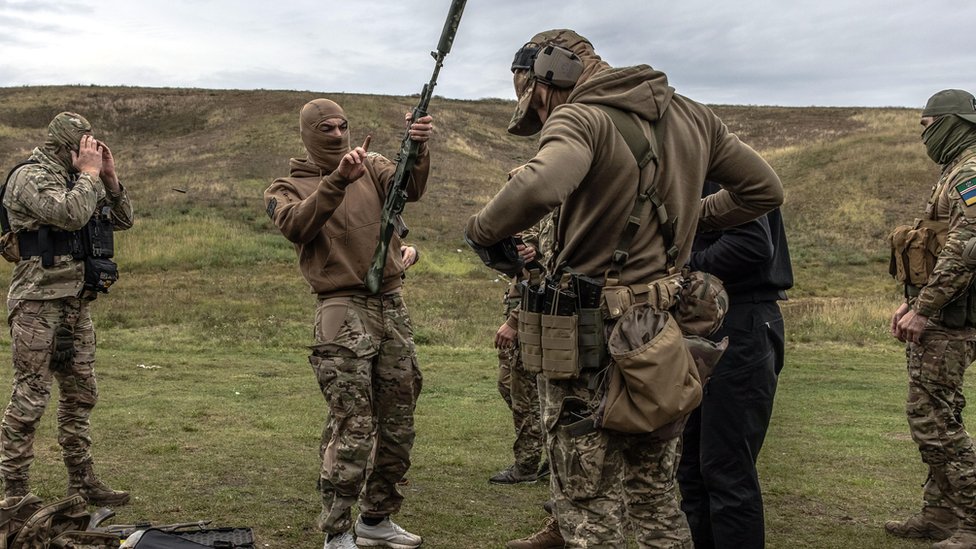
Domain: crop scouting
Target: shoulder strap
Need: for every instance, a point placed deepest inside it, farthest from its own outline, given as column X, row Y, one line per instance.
column 4, row 219
column 644, row 152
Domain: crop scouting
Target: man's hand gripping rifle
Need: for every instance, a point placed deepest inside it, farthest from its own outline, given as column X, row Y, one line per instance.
column 396, row 195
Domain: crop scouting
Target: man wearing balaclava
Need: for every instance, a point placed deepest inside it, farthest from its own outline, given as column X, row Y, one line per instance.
column 363, row 357
column 585, row 168
column 935, row 258
column 65, row 193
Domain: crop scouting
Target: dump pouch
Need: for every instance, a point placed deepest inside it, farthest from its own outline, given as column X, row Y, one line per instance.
column 653, row 378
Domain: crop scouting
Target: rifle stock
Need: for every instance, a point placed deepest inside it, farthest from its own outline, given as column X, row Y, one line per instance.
column 406, row 159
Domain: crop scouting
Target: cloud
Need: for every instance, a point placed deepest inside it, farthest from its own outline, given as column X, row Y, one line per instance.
column 805, row 52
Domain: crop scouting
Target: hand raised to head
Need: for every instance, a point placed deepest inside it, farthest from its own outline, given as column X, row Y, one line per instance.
column 88, row 158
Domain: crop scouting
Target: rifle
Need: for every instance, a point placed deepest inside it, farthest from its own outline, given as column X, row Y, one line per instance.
column 126, row 530
column 406, row 159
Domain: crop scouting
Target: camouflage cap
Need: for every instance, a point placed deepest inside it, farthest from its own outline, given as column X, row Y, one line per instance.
column 66, row 130
column 525, row 121
column 958, row 102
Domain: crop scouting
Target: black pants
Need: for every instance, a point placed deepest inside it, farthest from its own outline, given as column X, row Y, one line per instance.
column 717, row 475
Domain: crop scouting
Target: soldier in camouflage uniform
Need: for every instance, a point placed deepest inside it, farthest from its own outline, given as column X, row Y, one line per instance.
column 518, row 387
column 364, row 356
column 68, row 179
column 585, row 167
column 938, row 322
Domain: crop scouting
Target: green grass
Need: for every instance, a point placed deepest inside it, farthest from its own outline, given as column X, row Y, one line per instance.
column 209, row 409
column 233, row 437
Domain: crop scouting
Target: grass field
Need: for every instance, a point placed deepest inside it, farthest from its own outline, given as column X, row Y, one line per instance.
column 209, row 409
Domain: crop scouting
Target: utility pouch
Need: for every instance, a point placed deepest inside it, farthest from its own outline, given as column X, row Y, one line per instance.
column 9, row 247
column 100, row 274
column 653, row 379
column 98, row 235
column 955, row 313
column 592, row 341
column 64, row 347
column 617, row 300
column 701, row 303
column 915, row 250
column 560, row 354
column 530, row 340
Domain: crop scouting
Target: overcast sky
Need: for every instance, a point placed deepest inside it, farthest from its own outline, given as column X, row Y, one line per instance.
column 747, row 52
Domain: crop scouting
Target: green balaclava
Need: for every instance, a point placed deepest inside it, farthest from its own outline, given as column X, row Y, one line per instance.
column 954, row 129
column 64, row 134
column 325, row 151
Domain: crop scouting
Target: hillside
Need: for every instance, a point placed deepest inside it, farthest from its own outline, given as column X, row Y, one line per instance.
column 208, row 408
column 850, row 174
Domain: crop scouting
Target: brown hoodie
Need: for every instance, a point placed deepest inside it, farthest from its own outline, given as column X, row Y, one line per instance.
column 584, row 165
column 335, row 223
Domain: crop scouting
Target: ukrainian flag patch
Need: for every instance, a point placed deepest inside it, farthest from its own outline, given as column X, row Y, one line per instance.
column 967, row 191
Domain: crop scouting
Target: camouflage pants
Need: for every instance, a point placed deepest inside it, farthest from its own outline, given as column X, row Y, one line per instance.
column 521, row 394
column 935, row 402
column 33, row 327
column 602, row 479
column 366, row 365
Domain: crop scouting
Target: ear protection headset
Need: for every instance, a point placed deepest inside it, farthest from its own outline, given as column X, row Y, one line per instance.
column 553, row 65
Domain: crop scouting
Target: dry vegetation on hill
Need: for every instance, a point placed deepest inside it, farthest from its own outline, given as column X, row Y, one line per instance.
column 210, row 294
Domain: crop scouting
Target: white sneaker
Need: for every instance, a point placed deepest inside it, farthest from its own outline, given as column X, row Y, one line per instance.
column 385, row 534
column 342, row 541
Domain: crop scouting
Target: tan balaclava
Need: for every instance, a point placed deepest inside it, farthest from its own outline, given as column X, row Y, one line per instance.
column 64, row 134
column 325, row 151
column 525, row 121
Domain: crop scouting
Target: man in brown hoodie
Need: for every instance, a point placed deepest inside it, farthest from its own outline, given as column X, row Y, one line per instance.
column 585, row 168
column 364, row 356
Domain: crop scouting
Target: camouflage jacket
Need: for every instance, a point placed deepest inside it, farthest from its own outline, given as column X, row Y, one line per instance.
column 953, row 200
column 38, row 194
column 542, row 237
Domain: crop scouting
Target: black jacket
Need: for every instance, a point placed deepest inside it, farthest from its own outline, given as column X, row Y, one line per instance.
column 753, row 260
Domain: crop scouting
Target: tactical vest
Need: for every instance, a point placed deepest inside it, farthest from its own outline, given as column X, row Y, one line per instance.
column 94, row 243
column 915, row 251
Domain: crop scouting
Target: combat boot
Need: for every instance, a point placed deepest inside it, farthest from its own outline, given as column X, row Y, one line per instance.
column 547, row 538
column 960, row 539
column 543, row 470
column 511, row 475
column 83, row 481
column 936, row 523
column 15, row 488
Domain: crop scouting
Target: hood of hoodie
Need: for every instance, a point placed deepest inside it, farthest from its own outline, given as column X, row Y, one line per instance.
column 302, row 167
column 638, row 89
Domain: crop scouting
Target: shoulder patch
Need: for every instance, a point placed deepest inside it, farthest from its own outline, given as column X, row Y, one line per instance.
column 272, row 204
column 967, row 191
